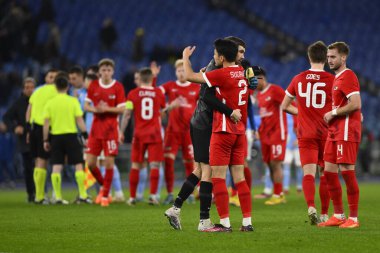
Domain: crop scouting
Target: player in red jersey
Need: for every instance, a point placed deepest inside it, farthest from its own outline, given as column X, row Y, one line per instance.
column 344, row 136
column 312, row 90
column 177, row 132
column 146, row 102
column 273, row 132
column 106, row 99
column 228, row 140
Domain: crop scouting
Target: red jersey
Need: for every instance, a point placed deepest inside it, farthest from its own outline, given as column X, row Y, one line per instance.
column 105, row 125
column 147, row 102
column 232, row 90
column 349, row 127
column 179, row 118
column 312, row 90
column 273, row 127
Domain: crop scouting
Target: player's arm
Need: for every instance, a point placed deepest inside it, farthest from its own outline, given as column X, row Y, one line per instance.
column 45, row 134
column 189, row 72
column 354, row 103
column 125, row 119
column 117, row 110
column 88, row 107
column 251, row 115
column 287, row 106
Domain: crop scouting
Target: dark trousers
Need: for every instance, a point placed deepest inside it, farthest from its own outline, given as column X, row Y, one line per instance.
column 28, row 163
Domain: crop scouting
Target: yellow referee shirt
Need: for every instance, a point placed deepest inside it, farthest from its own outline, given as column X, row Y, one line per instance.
column 38, row 101
column 62, row 111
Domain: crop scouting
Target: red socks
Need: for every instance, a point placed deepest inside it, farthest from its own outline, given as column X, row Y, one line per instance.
column 308, row 186
column 324, row 195
column 133, row 182
column 189, row 167
column 221, row 197
column 154, row 177
column 169, row 174
column 277, row 188
column 352, row 191
column 97, row 175
column 248, row 177
column 245, row 198
column 335, row 191
column 107, row 182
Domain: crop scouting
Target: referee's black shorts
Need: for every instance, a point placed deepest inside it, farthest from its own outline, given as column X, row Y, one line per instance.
column 66, row 145
column 37, row 142
column 201, row 143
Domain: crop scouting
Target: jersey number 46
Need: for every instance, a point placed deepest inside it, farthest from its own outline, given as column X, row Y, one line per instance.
column 311, row 94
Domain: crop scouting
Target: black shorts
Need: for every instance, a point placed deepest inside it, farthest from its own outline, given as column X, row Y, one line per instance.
column 37, row 142
column 201, row 143
column 63, row 145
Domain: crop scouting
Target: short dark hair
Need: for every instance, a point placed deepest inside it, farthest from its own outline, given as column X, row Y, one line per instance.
column 259, row 71
column 226, row 48
column 146, row 75
column 106, row 62
column 317, row 52
column 92, row 77
column 94, row 68
column 54, row 70
column 76, row 70
column 341, row 46
column 237, row 40
column 61, row 81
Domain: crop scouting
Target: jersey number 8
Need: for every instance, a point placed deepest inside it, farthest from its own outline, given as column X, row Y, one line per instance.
column 147, row 108
column 311, row 94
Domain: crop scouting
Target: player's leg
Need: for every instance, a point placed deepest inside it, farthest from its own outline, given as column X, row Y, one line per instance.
column 40, row 169
column 143, row 177
column 289, row 156
column 268, row 184
column 116, row 184
column 171, row 149
column 160, row 181
column 137, row 158
column 347, row 168
column 155, row 157
column 323, row 189
column 56, row 181
column 277, row 178
column 94, row 148
column 188, row 159
column 333, row 184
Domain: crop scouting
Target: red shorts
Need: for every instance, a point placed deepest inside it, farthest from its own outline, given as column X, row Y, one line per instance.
column 155, row 151
column 227, row 149
column 339, row 152
column 173, row 141
column 95, row 147
column 311, row 151
column 273, row 152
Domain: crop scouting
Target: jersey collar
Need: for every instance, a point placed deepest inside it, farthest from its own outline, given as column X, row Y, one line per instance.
column 147, row 87
column 340, row 73
column 317, row 70
column 267, row 88
column 185, row 84
column 106, row 86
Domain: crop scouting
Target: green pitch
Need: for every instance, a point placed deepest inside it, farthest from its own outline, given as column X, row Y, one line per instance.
column 120, row 228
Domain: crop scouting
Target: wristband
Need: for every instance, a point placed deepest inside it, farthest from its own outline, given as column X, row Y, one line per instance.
column 334, row 112
column 85, row 135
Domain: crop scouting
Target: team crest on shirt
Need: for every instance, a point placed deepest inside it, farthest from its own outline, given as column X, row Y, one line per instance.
column 336, row 87
column 192, row 93
column 268, row 98
column 112, row 96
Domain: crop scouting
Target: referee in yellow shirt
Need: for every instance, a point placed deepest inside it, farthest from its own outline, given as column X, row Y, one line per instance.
column 62, row 114
column 35, row 122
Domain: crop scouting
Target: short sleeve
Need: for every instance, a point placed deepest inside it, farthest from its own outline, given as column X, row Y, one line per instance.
column 46, row 113
column 77, row 110
column 214, row 78
column 90, row 93
column 162, row 101
column 351, row 85
column 120, row 96
column 129, row 103
column 164, row 87
column 291, row 90
column 279, row 94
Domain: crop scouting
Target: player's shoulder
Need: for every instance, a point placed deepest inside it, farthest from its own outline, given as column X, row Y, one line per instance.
column 348, row 73
column 275, row 87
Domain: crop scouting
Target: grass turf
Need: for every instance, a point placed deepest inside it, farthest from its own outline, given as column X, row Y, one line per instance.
column 120, row 228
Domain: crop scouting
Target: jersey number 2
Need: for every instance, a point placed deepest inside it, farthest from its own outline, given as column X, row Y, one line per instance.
column 242, row 92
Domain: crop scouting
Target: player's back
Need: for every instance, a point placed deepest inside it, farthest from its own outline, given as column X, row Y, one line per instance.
column 312, row 89
column 147, row 102
column 231, row 89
